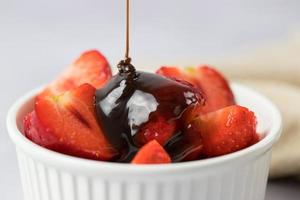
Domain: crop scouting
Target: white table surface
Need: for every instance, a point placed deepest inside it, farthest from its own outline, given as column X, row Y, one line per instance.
column 39, row 38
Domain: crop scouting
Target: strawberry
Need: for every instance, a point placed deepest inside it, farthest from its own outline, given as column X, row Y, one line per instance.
column 151, row 153
column 256, row 138
column 174, row 73
column 215, row 87
column 34, row 131
column 91, row 67
column 226, row 130
column 70, row 121
column 207, row 80
column 157, row 128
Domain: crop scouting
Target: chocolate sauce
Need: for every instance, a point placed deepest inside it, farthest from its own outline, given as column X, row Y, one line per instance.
column 127, row 102
column 131, row 97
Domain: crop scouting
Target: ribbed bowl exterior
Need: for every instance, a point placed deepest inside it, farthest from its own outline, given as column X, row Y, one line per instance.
column 244, row 181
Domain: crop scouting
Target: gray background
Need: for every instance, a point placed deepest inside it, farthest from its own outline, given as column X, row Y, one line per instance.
column 39, row 38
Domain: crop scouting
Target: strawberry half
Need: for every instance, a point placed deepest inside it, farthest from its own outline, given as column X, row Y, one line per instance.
column 69, row 120
column 226, row 130
column 157, row 128
column 174, row 73
column 214, row 86
column 211, row 82
column 151, row 153
column 34, row 131
column 91, row 67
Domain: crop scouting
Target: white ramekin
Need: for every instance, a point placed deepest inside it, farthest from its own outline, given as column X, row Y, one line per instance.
column 47, row 175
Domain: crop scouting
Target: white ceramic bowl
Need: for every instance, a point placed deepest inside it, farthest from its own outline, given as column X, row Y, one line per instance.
column 47, row 175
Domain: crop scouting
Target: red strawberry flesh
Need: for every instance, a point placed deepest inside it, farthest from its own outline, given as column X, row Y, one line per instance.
column 226, row 130
column 70, row 119
column 157, row 128
column 215, row 87
column 209, row 81
column 151, row 153
column 34, row 131
column 91, row 67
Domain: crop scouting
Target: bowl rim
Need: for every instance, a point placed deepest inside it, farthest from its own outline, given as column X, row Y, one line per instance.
column 79, row 163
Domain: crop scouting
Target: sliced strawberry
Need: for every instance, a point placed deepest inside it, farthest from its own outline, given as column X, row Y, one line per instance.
column 211, row 82
column 91, row 67
column 256, row 139
column 173, row 72
column 215, row 87
column 157, row 128
column 34, row 131
column 70, row 119
column 151, row 153
column 226, row 130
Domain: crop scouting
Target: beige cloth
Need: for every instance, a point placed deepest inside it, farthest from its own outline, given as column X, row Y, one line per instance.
column 275, row 72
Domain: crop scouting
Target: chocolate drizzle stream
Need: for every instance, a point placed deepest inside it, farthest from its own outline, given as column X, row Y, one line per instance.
column 127, row 31
column 125, row 67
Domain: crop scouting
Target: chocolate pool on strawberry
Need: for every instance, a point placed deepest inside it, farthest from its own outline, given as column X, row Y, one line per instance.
column 136, row 107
